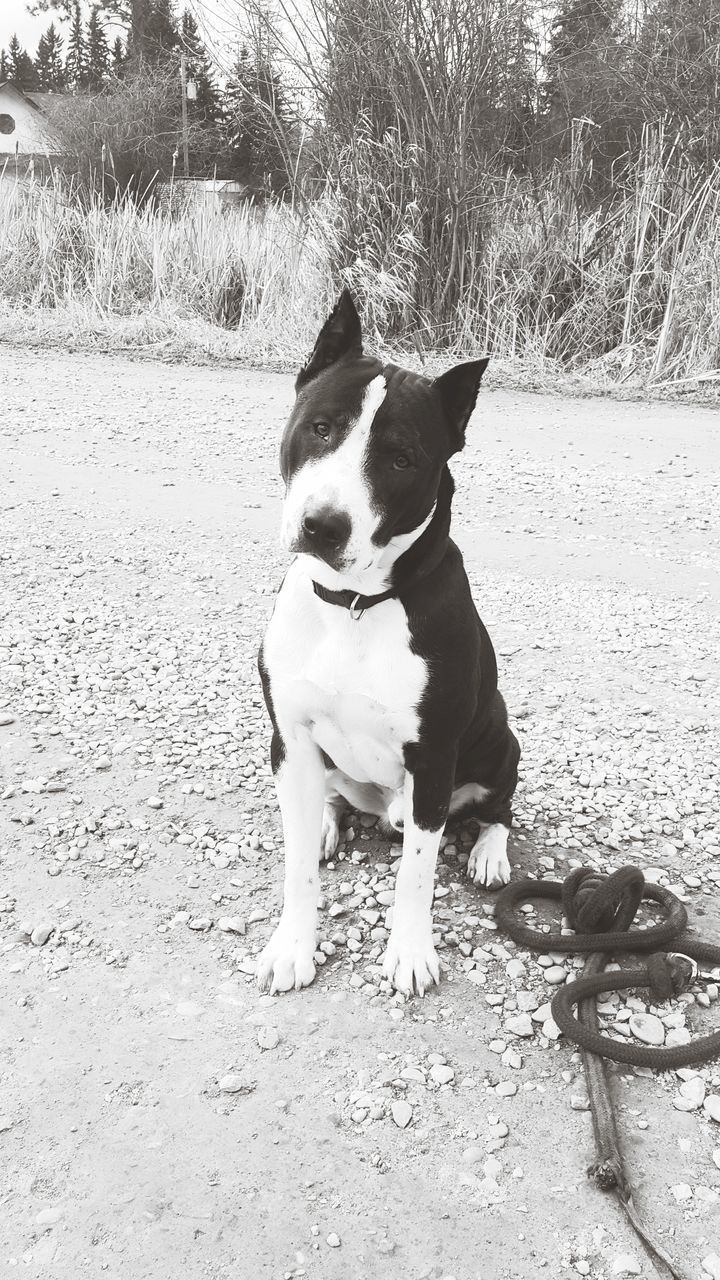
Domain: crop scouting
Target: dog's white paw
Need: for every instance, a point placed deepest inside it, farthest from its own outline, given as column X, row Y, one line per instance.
column 396, row 813
column 287, row 963
column 488, row 864
column 411, row 965
column 330, row 832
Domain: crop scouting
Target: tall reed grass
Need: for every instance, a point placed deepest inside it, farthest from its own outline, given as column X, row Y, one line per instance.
column 630, row 289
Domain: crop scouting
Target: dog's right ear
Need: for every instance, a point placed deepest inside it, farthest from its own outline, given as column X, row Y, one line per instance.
column 340, row 336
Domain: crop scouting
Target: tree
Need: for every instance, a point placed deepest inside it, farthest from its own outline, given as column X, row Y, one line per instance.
column 118, row 56
column 206, row 104
column 49, row 62
column 97, row 52
column 20, row 68
column 677, row 65
column 157, row 35
column 76, row 57
column 257, row 123
column 586, row 82
column 4, row 72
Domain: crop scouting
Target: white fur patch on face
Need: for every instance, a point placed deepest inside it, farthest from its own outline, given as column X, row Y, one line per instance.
column 338, row 481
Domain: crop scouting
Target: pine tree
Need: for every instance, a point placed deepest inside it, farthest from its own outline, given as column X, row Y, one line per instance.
column 76, row 59
column 118, row 56
column 205, row 107
column 20, row 68
column 97, row 52
column 257, row 123
column 160, row 35
column 4, row 72
column 48, row 63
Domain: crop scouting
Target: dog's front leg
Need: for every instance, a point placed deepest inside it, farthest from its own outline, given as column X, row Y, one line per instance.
column 410, row 961
column 287, row 960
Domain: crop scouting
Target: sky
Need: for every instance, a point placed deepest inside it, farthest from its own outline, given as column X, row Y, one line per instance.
column 15, row 17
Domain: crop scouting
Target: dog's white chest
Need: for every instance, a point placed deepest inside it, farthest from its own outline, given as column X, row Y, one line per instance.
column 354, row 686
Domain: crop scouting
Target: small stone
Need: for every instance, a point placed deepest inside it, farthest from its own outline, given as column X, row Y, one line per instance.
column 154, row 802
column 648, row 1028
column 716, row 1157
column 506, row 1089
column 520, row 1025
column 6, row 720
column 268, row 1037
column 5, row 1124
column 582, row 1266
column 232, row 924
column 692, row 1092
column 555, row 975
column 41, row 933
column 401, row 1114
column 682, row 1191
column 711, row 1265
column 103, row 762
column 711, row 1105
column 234, row 1083
column 626, row 1265
column 580, row 1102
column 442, row 1074
column 333, row 1240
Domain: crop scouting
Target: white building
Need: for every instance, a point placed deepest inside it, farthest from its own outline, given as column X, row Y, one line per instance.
column 24, row 131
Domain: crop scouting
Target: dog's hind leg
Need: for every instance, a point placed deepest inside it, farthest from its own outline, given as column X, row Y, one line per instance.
column 332, row 816
column 489, row 864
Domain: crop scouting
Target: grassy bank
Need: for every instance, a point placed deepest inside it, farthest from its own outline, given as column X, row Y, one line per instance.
column 626, row 294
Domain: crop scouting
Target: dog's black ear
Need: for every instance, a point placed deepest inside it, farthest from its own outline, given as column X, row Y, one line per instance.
column 458, row 389
column 340, row 335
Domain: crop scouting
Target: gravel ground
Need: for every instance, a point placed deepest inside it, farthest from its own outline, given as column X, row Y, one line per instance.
column 157, row 1115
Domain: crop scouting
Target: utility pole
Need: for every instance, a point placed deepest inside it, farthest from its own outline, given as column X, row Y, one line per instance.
column 183, row 82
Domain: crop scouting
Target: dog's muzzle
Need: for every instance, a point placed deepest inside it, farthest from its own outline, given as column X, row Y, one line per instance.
column 325, row 533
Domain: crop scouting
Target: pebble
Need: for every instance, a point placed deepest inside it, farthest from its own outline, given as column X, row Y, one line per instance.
column 648, row 1028
column 441, row 1074
column 580, row 1102
column 41, row 933
column 154, row 802
column 234, row 1083
column 333, row 1240
column 711, row 1265
column 711, row 1106
column 626, row 1265
column 506, row 1089
column 520, row 1025
column 6, row 720
column 555, row 975
column 232, row 924
column 402, row 1114
column 691, row 1095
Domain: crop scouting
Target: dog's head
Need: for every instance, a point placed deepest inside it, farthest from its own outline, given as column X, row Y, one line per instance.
column 364, row 450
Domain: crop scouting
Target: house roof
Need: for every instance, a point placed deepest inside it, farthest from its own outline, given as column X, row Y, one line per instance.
column 30, row 98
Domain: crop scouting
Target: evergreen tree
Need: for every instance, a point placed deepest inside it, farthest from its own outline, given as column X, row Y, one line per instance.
column 153, row 33
column 257, row 123
column 206, row 105
column 76, row 58
column 98, row 54
column 677, row 65
column 48, row 63
column 118, row 56
column 20, row 68
column 4, row 72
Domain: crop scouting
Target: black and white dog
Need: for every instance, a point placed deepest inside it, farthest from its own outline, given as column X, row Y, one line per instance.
column 379, row 677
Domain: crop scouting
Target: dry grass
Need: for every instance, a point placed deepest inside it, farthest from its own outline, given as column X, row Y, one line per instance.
column 628, row 294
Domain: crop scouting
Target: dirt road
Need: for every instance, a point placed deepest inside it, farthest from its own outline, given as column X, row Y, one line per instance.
column 158, row 1117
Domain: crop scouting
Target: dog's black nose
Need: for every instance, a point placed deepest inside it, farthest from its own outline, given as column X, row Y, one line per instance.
column 326, row 529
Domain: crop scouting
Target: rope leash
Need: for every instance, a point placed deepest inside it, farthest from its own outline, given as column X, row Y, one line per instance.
column 601, row 909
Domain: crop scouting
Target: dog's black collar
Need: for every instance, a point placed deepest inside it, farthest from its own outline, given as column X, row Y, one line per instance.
column 352, row 600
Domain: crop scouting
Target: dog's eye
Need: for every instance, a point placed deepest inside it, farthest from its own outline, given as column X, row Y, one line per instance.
column 322, row 430
column 401, row 462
